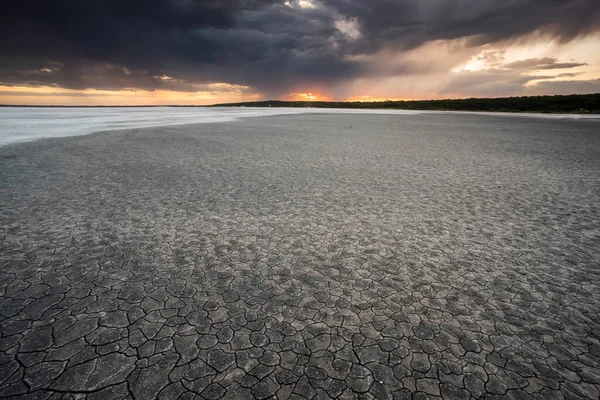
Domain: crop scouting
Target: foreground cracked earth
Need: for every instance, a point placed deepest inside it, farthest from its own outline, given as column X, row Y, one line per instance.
column 304, row 257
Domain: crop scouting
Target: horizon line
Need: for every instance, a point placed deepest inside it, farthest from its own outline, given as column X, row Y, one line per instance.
column 293, row 101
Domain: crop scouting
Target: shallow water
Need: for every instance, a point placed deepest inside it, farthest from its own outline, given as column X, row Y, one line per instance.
column 24, row 124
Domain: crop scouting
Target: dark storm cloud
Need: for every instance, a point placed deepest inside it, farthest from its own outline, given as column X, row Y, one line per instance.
column 271, row 45
column 542, row 63
column 409, row 22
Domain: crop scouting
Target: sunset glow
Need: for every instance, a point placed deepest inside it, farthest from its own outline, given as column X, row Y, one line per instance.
column 46, row 95
column 307, row 97
column 367, row 99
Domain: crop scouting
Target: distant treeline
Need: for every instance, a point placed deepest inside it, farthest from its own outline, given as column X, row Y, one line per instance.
column 576, row 104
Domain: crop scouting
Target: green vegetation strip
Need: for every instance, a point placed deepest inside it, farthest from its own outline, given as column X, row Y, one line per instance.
column 576, row 104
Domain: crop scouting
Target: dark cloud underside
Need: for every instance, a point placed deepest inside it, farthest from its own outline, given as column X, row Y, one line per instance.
column 542, row 63
column 264, row 44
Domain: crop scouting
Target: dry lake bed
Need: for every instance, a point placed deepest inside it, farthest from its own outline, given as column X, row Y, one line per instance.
column 304, row 256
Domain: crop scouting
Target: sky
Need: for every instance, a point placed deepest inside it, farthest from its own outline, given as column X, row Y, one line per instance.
column 155, row 52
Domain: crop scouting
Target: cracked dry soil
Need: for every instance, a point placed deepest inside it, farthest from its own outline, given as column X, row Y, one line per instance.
column 309, row 256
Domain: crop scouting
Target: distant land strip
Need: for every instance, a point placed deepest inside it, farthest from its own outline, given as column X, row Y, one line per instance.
column 568, row 104
column 557, row 104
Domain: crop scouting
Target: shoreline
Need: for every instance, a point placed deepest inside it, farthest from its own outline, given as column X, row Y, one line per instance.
column 59, row 124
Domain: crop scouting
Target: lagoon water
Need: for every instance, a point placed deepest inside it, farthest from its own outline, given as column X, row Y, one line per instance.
column 24, row 124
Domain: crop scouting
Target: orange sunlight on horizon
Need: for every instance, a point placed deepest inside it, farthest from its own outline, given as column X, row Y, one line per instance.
column 369, row 99
column 56, row 96
column 307, row 96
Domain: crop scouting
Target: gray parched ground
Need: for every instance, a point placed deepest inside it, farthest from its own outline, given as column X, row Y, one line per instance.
column 309, row 256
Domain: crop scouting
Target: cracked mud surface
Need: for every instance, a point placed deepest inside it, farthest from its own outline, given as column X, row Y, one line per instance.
column 313, row 256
